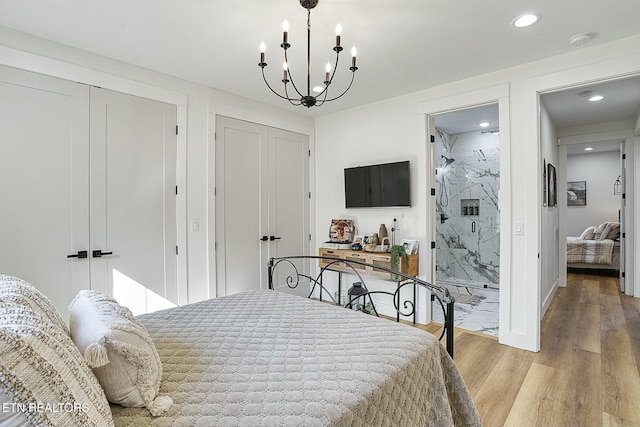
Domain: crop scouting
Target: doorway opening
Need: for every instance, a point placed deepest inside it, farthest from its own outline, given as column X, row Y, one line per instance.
column 467, row 213
column 593, row 142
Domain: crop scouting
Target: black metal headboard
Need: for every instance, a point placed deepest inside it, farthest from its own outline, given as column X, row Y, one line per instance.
column 293, row 277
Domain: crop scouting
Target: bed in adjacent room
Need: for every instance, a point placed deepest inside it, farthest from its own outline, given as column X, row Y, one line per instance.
column 596, row 248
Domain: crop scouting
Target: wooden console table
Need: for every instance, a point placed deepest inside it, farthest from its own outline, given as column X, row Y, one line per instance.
column 381, row 259
column 373, row 259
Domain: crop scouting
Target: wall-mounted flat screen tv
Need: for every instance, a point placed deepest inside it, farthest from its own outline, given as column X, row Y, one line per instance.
column 376, row 186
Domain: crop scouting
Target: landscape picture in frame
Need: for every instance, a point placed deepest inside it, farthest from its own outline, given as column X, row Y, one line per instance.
column 577, row 193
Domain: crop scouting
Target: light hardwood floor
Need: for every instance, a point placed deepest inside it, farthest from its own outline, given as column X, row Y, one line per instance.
column 586, row 373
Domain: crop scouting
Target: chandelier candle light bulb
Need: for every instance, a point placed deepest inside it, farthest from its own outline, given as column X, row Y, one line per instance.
column 338, row 34
column 354, row 52
column 327, row 68
column 285, row 31
column 263, row 48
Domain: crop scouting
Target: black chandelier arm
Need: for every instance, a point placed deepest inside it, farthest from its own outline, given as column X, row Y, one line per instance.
column 328, row 82
column 272, row 90
column 353, row 74
column 291, row 100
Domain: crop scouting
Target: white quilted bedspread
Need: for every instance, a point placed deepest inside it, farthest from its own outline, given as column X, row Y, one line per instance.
column 267, row 358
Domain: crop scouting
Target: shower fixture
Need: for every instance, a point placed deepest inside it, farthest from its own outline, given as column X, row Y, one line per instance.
column 447, row 161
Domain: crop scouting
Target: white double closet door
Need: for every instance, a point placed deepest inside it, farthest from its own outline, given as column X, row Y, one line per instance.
column 87, row 191
column 262, row 202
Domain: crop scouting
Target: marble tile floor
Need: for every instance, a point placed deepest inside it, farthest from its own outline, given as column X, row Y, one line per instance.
column 476, row 309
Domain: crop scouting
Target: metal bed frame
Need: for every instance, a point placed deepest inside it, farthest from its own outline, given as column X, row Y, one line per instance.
column 293, row 277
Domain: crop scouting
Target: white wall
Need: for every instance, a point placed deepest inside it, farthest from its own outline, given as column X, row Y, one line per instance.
column 600, row 171
column 396, row 127
column 550, row 218
column 196, row 140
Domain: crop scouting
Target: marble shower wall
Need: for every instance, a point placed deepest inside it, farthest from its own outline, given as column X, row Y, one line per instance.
column 467, row 221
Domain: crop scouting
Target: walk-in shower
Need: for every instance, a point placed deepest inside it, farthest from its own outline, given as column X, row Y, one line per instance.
column 467, row 202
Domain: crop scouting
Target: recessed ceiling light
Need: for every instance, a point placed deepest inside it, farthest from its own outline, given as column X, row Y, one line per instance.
column 318, row 89
column 525, row 20
column 596, row 98
column 588, row 149
column 484, row 124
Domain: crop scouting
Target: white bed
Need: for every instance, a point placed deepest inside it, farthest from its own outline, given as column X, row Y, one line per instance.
column 598, row 247
column 258, row 358
column 593, row 254
column 270, row 358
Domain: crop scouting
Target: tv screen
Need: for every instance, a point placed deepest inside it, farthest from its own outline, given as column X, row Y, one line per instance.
column 375, row 186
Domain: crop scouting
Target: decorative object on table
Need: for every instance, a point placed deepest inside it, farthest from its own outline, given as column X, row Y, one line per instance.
column 308, row 100
column 342, row 230
column 383, row 245
column 399, row 260
column 577, row 193
column 382, row 232
column 358, row 241
column 407, row 244
column 416, row 246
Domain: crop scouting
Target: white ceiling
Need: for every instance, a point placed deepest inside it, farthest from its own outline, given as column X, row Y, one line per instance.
column 403, row 45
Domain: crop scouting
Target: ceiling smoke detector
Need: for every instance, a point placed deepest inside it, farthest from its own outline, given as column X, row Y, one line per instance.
column 580, row 39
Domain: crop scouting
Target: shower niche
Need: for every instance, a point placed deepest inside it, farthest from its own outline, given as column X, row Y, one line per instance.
column 470, row 207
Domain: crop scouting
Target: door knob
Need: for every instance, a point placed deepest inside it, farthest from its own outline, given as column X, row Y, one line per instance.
column 80, row 254
column 264, row 238
column 272, row 238
column 98, row 253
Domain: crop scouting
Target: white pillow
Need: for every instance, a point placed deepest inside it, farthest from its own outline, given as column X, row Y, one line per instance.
column 587, row 234
column 599, row 229
column 116, row 344
column 43, row 375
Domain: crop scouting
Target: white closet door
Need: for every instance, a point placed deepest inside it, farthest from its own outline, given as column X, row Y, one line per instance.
column 133, row 200
column 241, row 205
column 289, row 200
column 262, row 202
column 44, row 190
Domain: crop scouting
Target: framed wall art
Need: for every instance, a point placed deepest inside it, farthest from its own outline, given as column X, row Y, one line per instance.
column 577, row 193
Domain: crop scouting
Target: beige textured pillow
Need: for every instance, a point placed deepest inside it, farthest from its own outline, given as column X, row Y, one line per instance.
column 44, row 375
column 116, row 344
column 614, row 231
column 13, row 289
column 599, row 230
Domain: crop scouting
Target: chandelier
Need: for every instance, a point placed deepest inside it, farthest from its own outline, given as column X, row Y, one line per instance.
column 299, row 98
